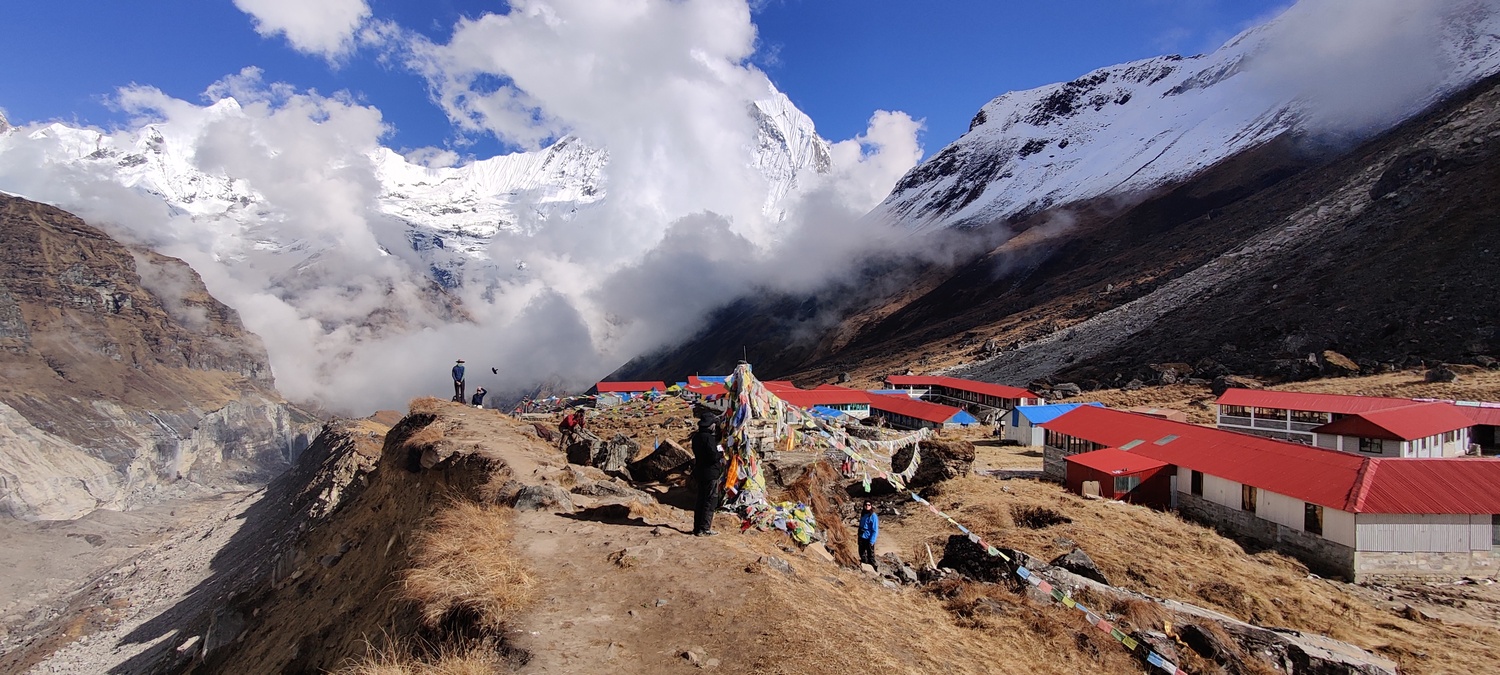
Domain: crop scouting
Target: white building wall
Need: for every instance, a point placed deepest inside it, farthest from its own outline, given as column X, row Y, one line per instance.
column 1338, row 526
column 1424, row 533
column 1279, row 508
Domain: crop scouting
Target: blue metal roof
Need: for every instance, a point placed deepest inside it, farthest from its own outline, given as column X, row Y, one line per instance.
column 1041, row 414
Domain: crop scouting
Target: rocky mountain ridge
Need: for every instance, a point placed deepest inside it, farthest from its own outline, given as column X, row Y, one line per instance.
column 1144, row 125
column 123, row 380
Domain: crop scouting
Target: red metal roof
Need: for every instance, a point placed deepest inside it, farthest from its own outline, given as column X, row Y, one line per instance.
column 904, row 405
column 1457, row 485
column 628, row 387
column 1326, row 477
column 1299, row 400
column 1116, row 462
column 986, row 388
column 1407, row 423
column 1487, row 414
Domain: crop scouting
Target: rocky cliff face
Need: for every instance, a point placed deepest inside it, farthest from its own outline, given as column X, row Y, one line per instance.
column 121, row 379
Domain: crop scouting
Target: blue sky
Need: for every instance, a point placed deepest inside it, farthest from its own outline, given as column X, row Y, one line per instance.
column 839, row 60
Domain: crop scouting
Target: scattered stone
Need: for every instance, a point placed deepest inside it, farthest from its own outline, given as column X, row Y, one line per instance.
column 1134, row 385
column 188, row 645
column 1078, row 562
column 777, row 564
column 668, row 458
column 542, row 498
column 867, row 569
column 711, row 663
column 694, row 655
column 1067, row 390
column 1224, row 383
column 660, row 531
column 661, row 602
column 818, row 550
column 1338, row 363
column 1441, row 374
column 890, row 584
column 1486, row 362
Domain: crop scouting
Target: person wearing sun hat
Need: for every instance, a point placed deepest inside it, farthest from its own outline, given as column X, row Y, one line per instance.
column 458, row 381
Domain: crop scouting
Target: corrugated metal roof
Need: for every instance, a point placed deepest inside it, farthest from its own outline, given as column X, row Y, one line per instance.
column 1408, row 423
column 1299, row 400
column 1487, row 414
column 1039, row 414
column 1116, row 462
column 922, row 410
column 1417, row 486
column 628, row 387
column 986, row 388
column 1326, row 477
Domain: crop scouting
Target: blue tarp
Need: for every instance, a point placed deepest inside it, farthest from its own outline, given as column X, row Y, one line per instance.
column 1041, row 414
column 962, row 417
column 715, row 379
column 824, row 412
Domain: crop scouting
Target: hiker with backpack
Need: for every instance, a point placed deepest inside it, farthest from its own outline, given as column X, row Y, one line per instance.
column 707, row 471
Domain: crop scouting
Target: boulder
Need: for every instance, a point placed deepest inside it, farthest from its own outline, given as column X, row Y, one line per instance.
column 542, row 498
column 1078, row 562
column 967, row 558
column 940, row 460
column 1440, row 374
column 1171, row 373
column 1338, row 364
column 667, row 459
column 584, row 448
column 1224, row 383
column 1067, row 390
column 618, row 454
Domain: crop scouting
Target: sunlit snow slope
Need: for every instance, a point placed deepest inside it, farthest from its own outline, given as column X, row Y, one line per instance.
column 1139, row 125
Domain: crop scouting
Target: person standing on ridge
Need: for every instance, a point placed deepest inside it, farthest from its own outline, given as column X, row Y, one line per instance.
column 869, row 529
column 458, row 381
column 478, row 399
column 571, row 424
column 706, row 472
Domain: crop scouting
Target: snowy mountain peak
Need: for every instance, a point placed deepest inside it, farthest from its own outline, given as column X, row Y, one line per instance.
column 1140, row 125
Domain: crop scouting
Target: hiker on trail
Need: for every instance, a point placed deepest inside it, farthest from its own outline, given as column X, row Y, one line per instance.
column 478, row 399
column 869, row 529
column 571, row 424
column 707, row 472
column 458, row 381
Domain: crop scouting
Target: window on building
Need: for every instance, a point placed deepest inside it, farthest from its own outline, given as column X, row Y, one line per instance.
column 1270, row 413
column 1371, row 445
column 1124, row 484
column 1309, row 417
column 1197, row 484
column 1234, row 411
column 1495, row 531
column 1312, row 518
column 1247, row 498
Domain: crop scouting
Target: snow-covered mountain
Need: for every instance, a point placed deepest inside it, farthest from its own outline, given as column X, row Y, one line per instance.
column 450, row 214
column 1136, row 126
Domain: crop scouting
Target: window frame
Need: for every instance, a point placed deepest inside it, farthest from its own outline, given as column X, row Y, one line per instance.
column 1312, row 518
column 1249, row 496
column 1195, row 483
column 1366, row 441
column 1131, row 482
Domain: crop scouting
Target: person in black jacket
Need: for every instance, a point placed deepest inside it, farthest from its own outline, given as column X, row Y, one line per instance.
column 706, row 471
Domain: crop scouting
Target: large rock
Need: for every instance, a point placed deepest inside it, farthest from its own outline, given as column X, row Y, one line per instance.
column 1224, row 383
column 1441, row 374
column 618, row 454
column 1078, row 562
column 584, row 447
column 542, row 498
column 667, row 459
column 940, row 460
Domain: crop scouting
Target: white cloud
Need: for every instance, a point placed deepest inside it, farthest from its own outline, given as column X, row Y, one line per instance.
column 432, row 157
column 320, row 27
column 345, row 305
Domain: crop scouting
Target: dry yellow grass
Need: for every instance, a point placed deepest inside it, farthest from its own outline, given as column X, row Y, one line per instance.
column 1164, row 556
column 395, row 661
column 462, row 564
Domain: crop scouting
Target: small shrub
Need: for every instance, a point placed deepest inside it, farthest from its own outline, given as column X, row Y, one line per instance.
column 462, row 565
